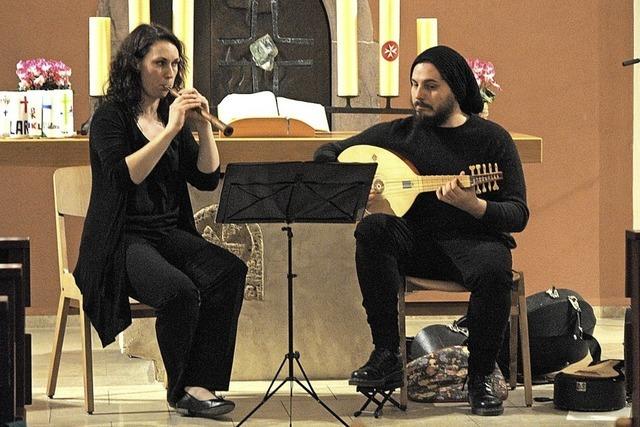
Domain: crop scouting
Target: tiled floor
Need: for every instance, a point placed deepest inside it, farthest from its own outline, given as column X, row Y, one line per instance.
column 127, row 396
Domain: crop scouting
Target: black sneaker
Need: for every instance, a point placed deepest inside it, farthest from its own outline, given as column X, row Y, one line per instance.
column 212, row 408
column 383, row 369
column 482, row 398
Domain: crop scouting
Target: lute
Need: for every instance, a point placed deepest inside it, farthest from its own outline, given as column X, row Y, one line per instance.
column 398, row 183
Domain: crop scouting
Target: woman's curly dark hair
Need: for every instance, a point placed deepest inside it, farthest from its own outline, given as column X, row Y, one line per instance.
column 125, row 84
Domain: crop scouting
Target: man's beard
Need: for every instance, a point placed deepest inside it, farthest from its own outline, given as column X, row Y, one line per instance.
column 440, row 116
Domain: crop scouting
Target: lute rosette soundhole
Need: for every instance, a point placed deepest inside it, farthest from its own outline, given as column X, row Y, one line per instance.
column 378, row 186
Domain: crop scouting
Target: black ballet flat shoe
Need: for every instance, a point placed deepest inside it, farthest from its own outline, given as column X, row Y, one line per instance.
column 192, row 407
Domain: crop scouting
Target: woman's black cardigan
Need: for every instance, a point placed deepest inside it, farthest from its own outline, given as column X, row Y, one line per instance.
column 100, row 270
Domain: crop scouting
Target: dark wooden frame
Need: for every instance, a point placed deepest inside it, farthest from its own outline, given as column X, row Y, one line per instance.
column 7, row 397
column 632, row 290
column 11, row 282
column 16, row 250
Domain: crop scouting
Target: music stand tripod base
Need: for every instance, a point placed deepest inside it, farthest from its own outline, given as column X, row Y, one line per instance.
column 294, row 192
column 371, row 393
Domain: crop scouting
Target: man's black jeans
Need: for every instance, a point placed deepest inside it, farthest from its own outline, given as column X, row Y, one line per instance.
column 387, row 248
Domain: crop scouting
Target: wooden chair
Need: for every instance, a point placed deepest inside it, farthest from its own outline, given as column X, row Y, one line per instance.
column 71, row 192
column 518, row 317
column 16, row 250
column 11, row 395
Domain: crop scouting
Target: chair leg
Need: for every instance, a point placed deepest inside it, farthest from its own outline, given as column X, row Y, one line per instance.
column 402, row 331
column 56, row 352
column 87, row 361
column 524, row 342
column 513, row 340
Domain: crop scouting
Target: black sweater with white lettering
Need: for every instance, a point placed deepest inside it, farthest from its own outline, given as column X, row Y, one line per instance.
column 448, row 151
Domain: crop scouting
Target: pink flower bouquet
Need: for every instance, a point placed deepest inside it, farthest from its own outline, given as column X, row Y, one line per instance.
column 485, row 73
column 42, row 73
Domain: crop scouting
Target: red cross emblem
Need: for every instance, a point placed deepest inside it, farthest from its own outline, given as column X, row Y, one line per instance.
column 25, row 102
column 390, row 51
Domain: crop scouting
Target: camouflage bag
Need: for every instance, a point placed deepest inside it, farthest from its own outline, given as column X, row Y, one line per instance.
column 440, row 376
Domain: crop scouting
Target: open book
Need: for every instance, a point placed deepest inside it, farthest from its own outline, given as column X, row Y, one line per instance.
column 238, row 106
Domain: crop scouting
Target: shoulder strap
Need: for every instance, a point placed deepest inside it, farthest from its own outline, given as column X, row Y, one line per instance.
column 594, row 347
column 579, row 333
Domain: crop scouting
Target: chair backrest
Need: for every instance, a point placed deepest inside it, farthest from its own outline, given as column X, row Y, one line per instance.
column 71, row 190
column 71, row 193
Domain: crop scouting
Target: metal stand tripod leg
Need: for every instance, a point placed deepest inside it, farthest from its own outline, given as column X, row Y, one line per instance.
column 291, row 355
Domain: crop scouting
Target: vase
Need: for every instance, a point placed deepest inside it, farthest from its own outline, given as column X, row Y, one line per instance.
column 485, row 111
column 34, row 115
column 9, row 114
column 57, row 113
column 15, row 114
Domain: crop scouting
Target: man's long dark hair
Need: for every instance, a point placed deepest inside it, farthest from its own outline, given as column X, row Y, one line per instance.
column 125, row 84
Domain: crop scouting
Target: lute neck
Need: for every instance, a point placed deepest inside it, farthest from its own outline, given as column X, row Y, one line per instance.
column 433, row 182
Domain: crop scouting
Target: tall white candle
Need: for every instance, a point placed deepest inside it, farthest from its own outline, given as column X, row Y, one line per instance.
column 347, row 39
column 389, row 47
column 139, row 13
column 427, row 31
column 183, row 29
column 99, row 54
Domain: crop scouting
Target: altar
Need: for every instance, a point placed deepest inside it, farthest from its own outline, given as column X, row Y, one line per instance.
column 331, row 329
column 74, row 151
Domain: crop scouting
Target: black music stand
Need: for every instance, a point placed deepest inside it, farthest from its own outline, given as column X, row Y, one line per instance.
column 294, row 192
